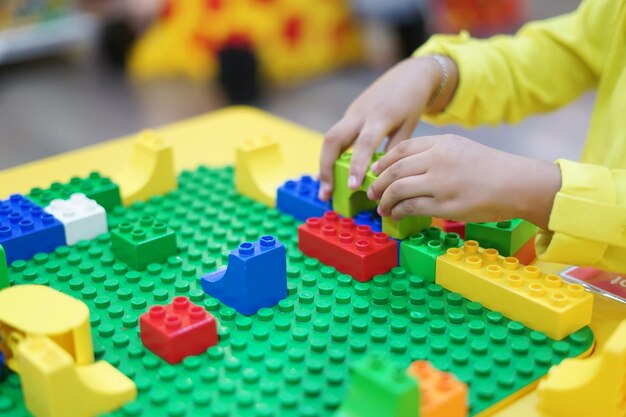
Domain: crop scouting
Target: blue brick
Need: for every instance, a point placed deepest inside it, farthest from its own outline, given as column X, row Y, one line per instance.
column 299, row 199
column 25, row 229
column 370, row 218
column 256, row 277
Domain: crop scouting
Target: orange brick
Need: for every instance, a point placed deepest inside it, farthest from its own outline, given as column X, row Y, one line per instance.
column 441, row 394
column 526, row 254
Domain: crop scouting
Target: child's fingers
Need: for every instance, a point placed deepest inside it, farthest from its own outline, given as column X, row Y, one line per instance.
column 337, row 140
column 401, row 134
column 406, row 167
column 417, row 206
column 404, row 189
column 402, row 150
column 370, row 137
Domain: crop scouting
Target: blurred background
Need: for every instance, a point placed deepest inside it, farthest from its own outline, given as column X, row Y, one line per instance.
column 76, row 72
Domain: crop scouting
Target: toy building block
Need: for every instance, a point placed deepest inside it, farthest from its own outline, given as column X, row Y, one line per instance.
column 418, row 253
column 588, row 387
column 54, row 386
column 37, row 310
column 256, row 277
column 523, row 293
column 526, row 254
column 259, row 169
column 82, row 217
column 143, row 243
column 379, row 388
column 96, row 187
column 150, row 171
column 441, row 393
column 178, row 330
column 299, row 198
column 507, row 237
column 369, row 218
column 351, row 249
column 4, row 269
column 349, row 203
column 451, row 226
column 26, row 229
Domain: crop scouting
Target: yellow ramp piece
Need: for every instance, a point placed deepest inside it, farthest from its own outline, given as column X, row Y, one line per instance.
column 523, row 293
column 588, row 387
column 259, row 169
column 150, row 171
column 54, row 386
column 37, row 310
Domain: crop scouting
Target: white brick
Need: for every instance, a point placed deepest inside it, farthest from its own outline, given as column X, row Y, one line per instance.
column 82, row 217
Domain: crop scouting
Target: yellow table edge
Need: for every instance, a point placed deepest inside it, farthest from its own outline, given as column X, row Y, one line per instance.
column 211, row 140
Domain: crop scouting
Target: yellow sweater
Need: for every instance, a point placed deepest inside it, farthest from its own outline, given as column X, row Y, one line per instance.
column 546, row 65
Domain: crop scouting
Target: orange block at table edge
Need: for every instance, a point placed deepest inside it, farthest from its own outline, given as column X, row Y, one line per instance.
column 441, row 393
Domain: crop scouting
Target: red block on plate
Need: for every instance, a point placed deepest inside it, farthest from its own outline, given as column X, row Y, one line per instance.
column 351, row 249
column 178, row 330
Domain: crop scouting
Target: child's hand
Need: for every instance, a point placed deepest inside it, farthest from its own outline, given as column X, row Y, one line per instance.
column 453, row 177
column 391, row 106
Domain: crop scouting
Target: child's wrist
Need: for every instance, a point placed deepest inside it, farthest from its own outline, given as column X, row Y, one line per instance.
column 540, row 182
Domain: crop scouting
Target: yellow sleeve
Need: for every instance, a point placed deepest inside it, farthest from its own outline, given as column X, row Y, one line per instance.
column 588, row 220
column 546, row 65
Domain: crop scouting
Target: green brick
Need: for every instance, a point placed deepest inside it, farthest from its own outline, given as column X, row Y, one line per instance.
column 507, row 237
column 349, row 203
column 101, row 189
column 291, row 360
column 143, row 243
column 380, row 388
column 4, row 269
column 418, row 253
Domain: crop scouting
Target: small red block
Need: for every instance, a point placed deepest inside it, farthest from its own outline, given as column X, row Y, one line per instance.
column 351, row 249
column 178, row 330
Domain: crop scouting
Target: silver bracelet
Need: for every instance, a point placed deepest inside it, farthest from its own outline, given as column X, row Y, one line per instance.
column 445, row 79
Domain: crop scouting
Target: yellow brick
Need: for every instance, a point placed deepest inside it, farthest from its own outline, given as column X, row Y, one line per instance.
column 522, row 293
column 151, row 169
column 259, row 169
column 588, row 387
column 54, row 386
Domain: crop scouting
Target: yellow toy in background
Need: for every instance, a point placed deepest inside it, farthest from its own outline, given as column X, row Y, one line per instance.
column 47, row 338
column 588, row 387
column 292, row 39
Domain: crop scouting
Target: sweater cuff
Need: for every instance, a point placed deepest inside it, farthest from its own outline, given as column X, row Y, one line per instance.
column 583, row 222
column 461, row 105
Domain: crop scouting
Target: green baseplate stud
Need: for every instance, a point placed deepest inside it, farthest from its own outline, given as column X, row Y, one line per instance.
column 290, row 360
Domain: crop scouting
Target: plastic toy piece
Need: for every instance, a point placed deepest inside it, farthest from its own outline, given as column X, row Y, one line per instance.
column 82, row 217
column 299, row 199
column 256, row 277
column 542, row 302
column 451, row 226
column 143, row 243
column 349, row 203
column 526, row 254
column 418, row 254
column 351, row 249
column 379, row 388
column 54, row 386
column 178, row 330
column 37, row 310
column 507, row 237
column 588, row 387
column 150, row 171
column 96, row 187
column 441, row 393
column 259, row 169
column 25, row 229
column 369, row 218
column 4, row 269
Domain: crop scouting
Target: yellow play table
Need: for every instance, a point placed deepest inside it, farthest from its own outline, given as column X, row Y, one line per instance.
column 211, row 140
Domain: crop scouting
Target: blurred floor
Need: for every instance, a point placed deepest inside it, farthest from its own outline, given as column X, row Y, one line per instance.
column 58, row 104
